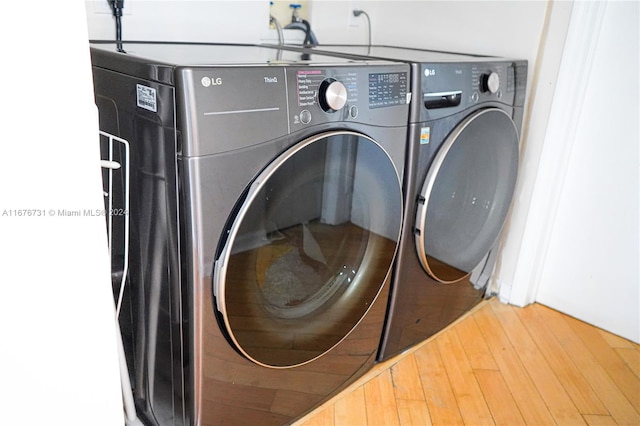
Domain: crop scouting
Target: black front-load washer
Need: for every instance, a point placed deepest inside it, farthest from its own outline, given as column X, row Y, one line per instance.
column 265, row 214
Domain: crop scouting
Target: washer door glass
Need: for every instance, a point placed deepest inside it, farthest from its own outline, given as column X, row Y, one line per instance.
column 466, row 195
column 308, row 249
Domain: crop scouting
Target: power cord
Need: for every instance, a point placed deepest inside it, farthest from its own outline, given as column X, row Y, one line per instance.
column 358, row 12
column 116, row 9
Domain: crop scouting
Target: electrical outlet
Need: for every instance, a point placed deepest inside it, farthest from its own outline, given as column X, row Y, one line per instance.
column 102, row 7
column 353, row 20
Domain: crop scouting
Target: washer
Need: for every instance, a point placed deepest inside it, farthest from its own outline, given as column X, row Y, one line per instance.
column 266, row 210
column 461, row 170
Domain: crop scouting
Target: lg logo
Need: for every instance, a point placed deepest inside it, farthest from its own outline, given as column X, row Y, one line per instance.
column 208, row 81
column 429, row 72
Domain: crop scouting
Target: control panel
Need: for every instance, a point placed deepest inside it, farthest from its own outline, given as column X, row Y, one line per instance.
column 263, row 103
column 491, row 81
column 358, row 94
column 450, row 87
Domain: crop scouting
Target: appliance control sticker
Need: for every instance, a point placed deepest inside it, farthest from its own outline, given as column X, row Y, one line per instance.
column 146, row 98
column 387, row 89
column 308, row 82
column 425, row 135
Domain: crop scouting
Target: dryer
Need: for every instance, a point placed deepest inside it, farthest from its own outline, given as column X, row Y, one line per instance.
column 461, row 171
column 266, row 210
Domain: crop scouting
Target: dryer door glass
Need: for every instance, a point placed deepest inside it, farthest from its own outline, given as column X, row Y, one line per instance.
column 466, row 195
column 309, row 249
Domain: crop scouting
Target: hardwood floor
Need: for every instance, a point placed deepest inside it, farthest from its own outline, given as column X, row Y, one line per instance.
column 500, row 365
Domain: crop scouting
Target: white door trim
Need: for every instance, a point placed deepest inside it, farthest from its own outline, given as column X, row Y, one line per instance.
column 573, row 77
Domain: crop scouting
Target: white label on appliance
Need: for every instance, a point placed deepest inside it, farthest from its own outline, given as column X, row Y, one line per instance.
column 146, row 97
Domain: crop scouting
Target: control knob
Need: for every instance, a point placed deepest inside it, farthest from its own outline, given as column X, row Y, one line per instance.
column 332, row 95
column 490, row 82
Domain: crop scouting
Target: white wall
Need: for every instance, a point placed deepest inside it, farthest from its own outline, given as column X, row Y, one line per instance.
column 506, row 28
column 222, row 21
column 58, row 351
column 590, row 263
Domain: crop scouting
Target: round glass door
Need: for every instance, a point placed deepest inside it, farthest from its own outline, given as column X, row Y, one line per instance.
column 466, row 195
column 309, row 249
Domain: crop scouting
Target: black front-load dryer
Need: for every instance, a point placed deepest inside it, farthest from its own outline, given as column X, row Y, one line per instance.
column 460, row 176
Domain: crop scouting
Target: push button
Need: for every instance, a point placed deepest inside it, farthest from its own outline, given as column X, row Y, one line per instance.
column 305, row 117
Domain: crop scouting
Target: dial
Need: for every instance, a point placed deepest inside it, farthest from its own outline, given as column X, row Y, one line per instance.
column 490, row 82
column 332, row 95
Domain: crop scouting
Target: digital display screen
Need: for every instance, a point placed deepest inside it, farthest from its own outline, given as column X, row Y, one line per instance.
column 387, row 89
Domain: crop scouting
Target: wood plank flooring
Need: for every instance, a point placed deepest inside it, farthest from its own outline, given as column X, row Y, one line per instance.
column 499, row 365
